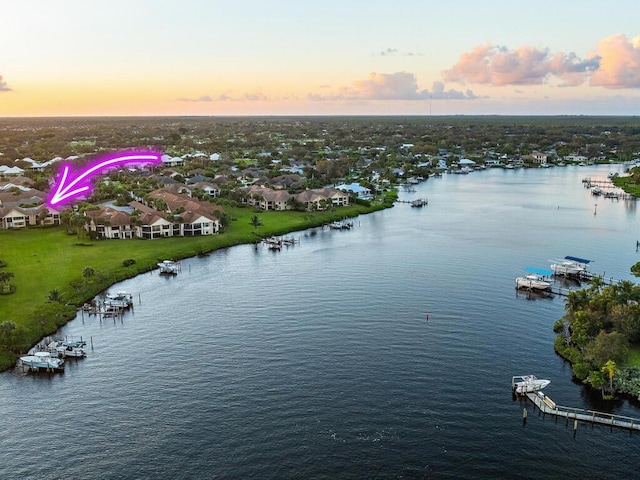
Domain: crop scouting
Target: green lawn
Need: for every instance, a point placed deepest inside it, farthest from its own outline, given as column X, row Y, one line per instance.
column 633, row 360
column 46, row 259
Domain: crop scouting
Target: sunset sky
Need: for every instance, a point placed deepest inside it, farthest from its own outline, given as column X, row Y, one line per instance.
column 297, row 57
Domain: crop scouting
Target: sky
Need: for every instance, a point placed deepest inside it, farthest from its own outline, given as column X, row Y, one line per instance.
column 334, row 57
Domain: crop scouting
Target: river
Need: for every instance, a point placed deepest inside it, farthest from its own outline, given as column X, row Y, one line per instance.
column 384, row 351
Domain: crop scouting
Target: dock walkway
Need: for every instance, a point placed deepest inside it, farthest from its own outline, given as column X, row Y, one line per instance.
column 548, row 406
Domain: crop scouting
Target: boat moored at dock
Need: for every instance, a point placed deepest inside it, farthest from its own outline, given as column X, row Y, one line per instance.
column 570, row 266
column 66, row 349
column 534, row 279
column 119, row 299
column 527, row 383
column 43, row 361
column 169, row 267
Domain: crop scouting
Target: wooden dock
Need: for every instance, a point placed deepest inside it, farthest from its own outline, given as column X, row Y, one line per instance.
column 548, row 406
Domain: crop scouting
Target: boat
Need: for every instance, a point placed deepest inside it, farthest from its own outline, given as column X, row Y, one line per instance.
column 66, row 349
column 119, row 299
column 534, row 279
column 168, row 267
column 43, row 361
column 570, row 266
column 528, row 383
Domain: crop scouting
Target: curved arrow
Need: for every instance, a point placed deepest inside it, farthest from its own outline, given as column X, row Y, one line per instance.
column 65, row 191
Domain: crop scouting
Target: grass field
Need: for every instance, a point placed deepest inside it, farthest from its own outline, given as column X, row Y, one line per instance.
column 47, row 259
column 633, row 360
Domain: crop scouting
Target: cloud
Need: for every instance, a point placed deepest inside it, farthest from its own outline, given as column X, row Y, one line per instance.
column 3, row 85
column 495, row 65
column 388, row 51
column 394, row 52
column 619, row 64
column 204, row 98
column 226, row 97
column 392, row 86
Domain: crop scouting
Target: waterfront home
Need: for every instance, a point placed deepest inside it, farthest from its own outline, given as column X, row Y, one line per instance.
column 185, row 218
column 266, row 198
column 111, row 223
column 319, row 198
column 356, row 189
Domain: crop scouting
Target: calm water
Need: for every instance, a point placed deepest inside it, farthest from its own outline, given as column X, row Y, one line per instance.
column 319, row 361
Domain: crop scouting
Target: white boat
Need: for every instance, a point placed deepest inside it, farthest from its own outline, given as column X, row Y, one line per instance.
column 43, row 361
column 570, row 266
column 528, row 383
column 119, row 299
column 169, row 267
column 66, row 349
column 534, row 279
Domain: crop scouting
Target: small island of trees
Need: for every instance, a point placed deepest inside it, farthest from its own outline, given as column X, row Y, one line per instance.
column 600, row 335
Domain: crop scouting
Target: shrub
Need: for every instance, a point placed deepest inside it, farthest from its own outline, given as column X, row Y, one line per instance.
column 128, row 262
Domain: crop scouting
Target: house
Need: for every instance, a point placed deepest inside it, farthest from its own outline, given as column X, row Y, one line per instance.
column 12, row 171
column 194, row 217
column 319, row 199
column 169, row 161
column 111, row 223
column 539, row 158
column 14, row 216
column 209, row 188
column 266, row 198
column 358, row 190
column 184, row 217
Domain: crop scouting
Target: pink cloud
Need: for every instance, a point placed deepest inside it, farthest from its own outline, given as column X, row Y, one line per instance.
column 619, row 64
column 494, row 65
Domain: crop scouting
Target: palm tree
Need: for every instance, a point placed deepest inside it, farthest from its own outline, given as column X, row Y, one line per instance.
column 255, row 221
column 610, row 369
column 55, row 296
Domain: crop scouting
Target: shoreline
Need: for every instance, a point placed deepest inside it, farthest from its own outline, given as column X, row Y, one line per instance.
column 9, row 359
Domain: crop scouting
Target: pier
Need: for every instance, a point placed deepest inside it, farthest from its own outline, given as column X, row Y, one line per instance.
column 547, row 406
column 606, row 183
column 419, row 202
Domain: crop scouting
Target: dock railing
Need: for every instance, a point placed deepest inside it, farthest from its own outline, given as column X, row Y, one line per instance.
column 548, row 406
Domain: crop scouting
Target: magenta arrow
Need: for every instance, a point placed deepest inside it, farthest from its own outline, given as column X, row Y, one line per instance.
column 67, row 191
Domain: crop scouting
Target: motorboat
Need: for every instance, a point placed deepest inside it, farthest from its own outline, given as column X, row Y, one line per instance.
column 570, row 266
column 43, row 361
column 66, row 349
column 168, row 267
column 534, row 279
column 119, row 299
column 528, row 383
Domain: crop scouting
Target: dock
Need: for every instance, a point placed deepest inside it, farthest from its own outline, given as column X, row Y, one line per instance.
column 418, row 202
column 548, row 406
